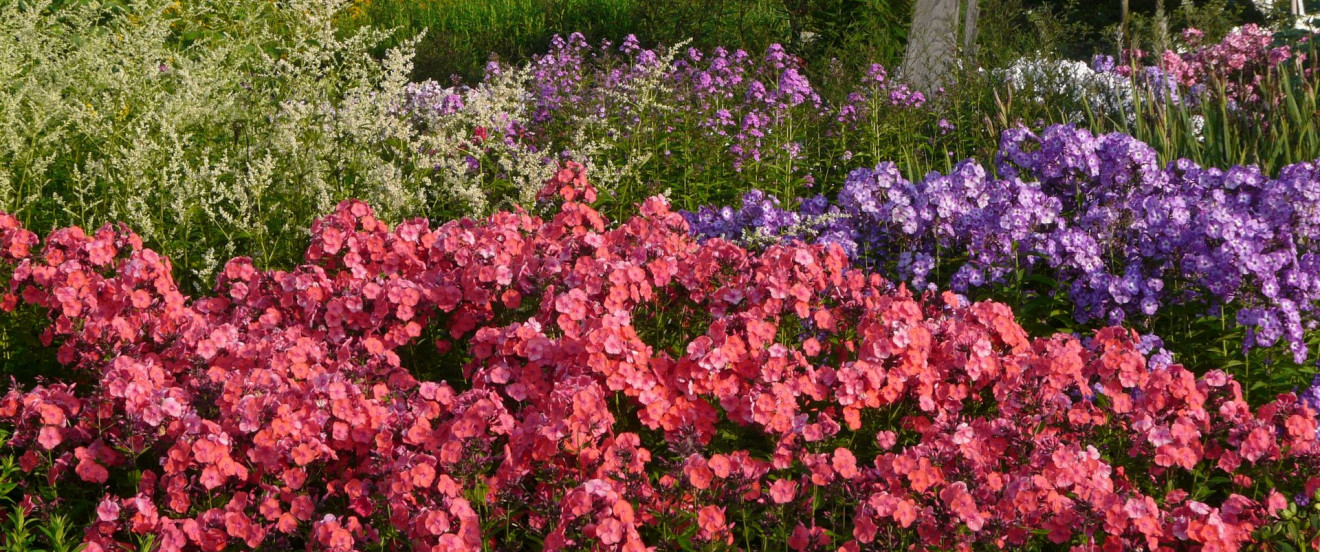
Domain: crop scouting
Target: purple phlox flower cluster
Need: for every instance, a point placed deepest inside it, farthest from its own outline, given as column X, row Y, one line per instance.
column 755, row 109
column 559, row 74
column 748, row 101
column 1102, row 63
column 712, row 79
column 1225, row 236
column 425, row 101
column 964, row 212
column 1153, row 348
column 1099, row 215
column 875, row 89
column 1162, row 85
column 760, row 217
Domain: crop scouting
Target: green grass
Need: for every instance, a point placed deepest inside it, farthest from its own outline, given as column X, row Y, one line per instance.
column 463, row 35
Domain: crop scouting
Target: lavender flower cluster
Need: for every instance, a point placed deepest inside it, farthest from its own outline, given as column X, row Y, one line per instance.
column 1181, row 233
column 1097, row 213
column 755, row 109
column 428, row 100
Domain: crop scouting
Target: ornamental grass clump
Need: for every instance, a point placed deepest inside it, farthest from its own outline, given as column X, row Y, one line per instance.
column 575, row 384
column 1248, row 99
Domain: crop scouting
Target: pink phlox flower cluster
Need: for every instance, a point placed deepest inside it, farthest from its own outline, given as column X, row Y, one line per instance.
column 600, row 366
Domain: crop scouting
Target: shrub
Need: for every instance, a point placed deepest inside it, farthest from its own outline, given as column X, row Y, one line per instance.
column 619, row 386
column 210, row 127
column 1091, row 223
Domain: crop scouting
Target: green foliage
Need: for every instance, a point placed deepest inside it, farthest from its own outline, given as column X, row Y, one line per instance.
column 463, row 35
column 1093, row 26
column 210, row 127
column 217, row 128
column 19, row 530
column 1299, row 529
column 856, row 32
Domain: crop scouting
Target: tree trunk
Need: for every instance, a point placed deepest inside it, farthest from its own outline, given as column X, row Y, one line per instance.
column 969, row 29
column 1123, row 29
column 932, row 44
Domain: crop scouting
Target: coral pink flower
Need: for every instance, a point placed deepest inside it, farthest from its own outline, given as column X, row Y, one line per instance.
column 711, row 521
column 783, row 491
column 108, row 510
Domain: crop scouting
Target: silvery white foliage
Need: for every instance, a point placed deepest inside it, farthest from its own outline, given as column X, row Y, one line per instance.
column 208, row 148
column 593, row 140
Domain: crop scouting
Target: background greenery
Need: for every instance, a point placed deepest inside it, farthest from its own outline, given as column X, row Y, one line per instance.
column 462, row 35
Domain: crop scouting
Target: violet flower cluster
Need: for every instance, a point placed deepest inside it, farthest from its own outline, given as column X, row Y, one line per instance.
column 761, row 219
column 1098, row 214
column 755, row 109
